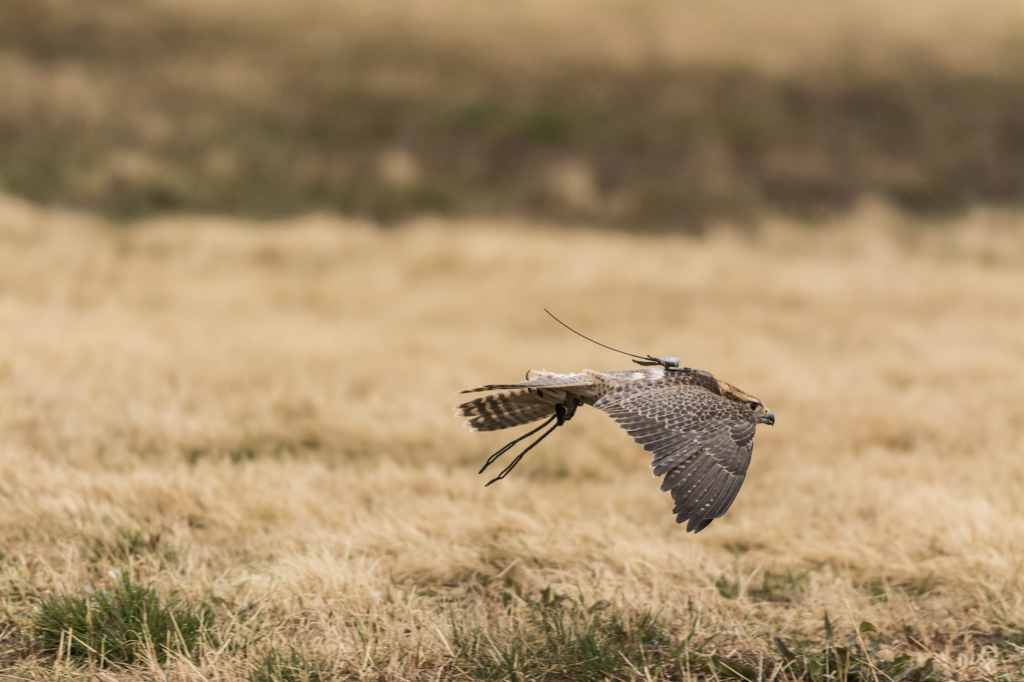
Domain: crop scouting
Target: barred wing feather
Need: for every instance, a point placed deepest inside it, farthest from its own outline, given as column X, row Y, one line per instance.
column 700, row 441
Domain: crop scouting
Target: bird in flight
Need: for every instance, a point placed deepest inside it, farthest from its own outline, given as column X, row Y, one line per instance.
column 699, row 429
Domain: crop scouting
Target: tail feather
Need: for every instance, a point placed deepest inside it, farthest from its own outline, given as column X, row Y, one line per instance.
column 504, row 410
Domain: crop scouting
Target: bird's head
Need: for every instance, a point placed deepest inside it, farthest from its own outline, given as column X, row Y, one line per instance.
column 762, row 415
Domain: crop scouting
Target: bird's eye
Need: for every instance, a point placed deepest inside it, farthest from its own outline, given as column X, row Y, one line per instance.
column 753, row 405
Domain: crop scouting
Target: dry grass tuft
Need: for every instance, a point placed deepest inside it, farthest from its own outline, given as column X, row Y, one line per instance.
column 257, row 419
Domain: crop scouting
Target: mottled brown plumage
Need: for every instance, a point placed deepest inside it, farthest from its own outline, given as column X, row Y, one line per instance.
column 699, row 430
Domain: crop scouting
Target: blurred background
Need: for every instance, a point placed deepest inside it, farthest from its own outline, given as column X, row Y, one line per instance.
column 638, row 114
column 249, row 249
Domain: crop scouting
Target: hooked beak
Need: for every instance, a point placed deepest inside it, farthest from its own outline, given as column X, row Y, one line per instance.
column 768, row 418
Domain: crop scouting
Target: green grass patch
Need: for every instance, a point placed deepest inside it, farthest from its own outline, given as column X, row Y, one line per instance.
column 857, row 660
column 557, row 637
column 119, row 624
column 294, row 666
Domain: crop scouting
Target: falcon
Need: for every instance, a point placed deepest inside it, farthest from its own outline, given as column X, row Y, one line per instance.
column 698, row 429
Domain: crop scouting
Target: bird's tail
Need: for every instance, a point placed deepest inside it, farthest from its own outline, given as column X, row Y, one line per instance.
column 504, row 410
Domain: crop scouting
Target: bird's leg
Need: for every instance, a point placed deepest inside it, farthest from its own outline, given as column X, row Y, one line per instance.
column 567, row 409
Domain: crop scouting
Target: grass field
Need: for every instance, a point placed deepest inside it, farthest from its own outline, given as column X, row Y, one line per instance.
column 244, row 432
column 643, row 114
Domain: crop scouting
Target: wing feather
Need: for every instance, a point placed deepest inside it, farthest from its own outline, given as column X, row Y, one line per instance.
column 696, row 508
column 700, row 441
column 558, row 381
column 728, row 495
column 687, row 475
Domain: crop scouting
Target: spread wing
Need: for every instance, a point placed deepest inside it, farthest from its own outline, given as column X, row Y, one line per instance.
column 699, row 440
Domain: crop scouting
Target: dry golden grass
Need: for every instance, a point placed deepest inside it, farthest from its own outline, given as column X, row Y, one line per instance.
column 274, row 401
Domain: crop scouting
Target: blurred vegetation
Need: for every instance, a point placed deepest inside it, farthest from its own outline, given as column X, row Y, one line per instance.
column 136, row 106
